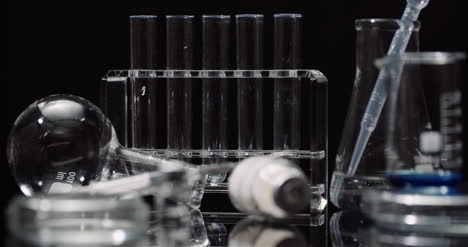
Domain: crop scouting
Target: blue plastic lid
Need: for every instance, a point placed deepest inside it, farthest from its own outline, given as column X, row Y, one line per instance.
column 424, row 178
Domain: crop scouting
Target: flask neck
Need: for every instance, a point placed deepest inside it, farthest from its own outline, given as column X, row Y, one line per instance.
column 373, row 39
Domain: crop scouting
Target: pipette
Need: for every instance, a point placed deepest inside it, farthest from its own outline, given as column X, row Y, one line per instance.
column 379, row 93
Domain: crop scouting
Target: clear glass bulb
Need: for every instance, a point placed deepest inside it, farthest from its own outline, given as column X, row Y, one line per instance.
column 64, row 141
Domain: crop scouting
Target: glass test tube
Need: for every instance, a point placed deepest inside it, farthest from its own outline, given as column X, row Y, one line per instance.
column 249, row 30
column 144, row 55
column 287, row 55
column 216, row 38
column 179, row 48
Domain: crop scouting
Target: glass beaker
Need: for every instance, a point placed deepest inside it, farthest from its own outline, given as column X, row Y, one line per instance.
column 424, row 146
column 373, row 39
column 424, row 139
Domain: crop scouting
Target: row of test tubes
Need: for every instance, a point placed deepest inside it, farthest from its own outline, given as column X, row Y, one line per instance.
column 216, row 49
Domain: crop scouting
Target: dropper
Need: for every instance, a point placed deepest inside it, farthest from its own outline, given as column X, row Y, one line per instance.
column 379, row 93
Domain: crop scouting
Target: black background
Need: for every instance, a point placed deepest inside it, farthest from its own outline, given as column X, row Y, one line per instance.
column 67, row 46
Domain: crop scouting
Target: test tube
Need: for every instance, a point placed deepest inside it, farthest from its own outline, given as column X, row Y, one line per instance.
column 287, row 55
column 216, row 39
column 249, row 30
column 144, row 100
column 179, row 49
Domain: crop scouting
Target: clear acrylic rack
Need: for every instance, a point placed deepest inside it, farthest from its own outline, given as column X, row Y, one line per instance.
column 214, row 116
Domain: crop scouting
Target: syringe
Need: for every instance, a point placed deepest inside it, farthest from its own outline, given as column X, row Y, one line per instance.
column 379, row 93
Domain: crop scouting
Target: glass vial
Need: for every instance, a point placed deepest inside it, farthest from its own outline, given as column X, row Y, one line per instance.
column 287, row 55
column 216, row 56
column 249, row 30
column 269, row 186
column 373, row 39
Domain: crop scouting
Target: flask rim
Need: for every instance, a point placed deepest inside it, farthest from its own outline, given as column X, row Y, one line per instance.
column 424, row 58
column 384, row 24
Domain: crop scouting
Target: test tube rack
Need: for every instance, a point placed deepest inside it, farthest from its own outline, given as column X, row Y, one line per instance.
column 221, row 113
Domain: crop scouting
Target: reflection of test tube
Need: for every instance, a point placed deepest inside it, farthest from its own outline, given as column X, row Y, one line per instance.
column 216, row 29
column 249, row 29
column 179, row 47
column 144, row 55
column 287, row 55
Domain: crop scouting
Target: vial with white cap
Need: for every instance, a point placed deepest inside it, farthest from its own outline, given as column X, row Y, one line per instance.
column 270, row 186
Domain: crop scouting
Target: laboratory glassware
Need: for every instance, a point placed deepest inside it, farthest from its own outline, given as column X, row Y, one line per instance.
column 73, row 145
column 179, row 53
column 425, row 119
column 62, row 141
column 262, row 185
column 346, row 228
column 424, row 145
column 223, row 225
column 287, row 55
column 268, row 186
column 79, row 220
column 250, row 100
column 249, row 42
column 310, row 156
column 353, row 228
column 373, row 39
column 147, row 94
column 216, row 56
column 253, row 231
column 377, row 99
column 380, row 237
column 176, row 224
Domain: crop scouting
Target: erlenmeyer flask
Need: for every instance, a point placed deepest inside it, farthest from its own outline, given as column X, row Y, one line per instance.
column 62, row 141
column 373, row 39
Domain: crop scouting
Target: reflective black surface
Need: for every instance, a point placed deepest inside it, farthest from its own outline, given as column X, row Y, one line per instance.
column 183, row 227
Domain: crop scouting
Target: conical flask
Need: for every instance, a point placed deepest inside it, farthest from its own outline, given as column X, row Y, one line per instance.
column 373, row 39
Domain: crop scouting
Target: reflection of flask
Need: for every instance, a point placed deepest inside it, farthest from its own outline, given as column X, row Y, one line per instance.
column 268, row 185
column 217, row 234
column 176, row 224
column 345, row 228
column 373, row 38
column 380, row 237
column 261, row 232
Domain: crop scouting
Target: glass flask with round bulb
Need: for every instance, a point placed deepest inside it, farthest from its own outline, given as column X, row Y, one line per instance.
column 61, row 142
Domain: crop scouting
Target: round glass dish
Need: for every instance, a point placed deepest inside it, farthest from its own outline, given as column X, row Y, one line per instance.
column 78, row 220
column 437, row 213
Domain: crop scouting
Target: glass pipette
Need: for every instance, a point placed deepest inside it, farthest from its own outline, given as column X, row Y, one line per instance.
column 379, row 93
